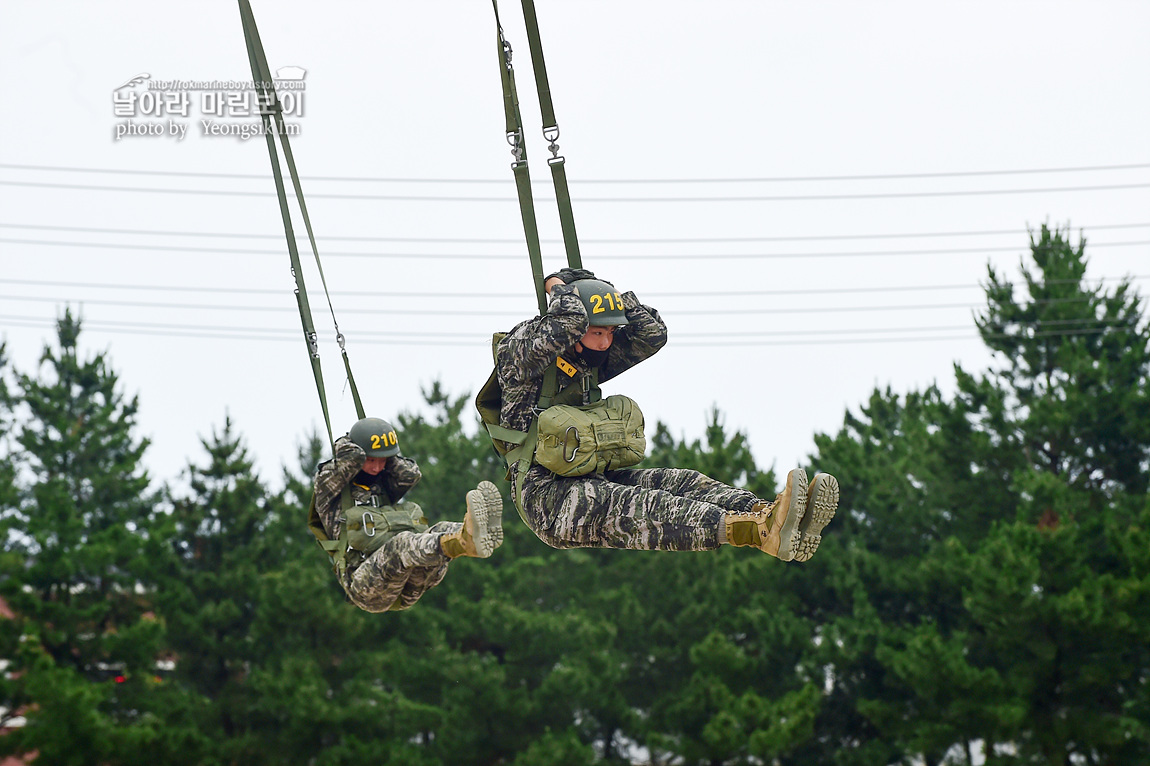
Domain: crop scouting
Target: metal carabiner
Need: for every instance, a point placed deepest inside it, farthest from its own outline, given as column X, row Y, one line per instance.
column 574, row 452
column 368, row 518
column 551, row 135
column 515, row 139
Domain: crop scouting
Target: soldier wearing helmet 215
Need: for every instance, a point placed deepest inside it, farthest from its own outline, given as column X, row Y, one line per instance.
column 386, row 554
column 568, row 449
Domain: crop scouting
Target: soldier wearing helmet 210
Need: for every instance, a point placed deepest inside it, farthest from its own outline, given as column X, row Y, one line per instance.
column 568, row 449
column 386, row 554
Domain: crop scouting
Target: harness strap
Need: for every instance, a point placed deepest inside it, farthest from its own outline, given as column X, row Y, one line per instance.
column 505, row 434
column 522, row 455
column 271, row 113
column 519, row 168
column 338, row 548
column 551, row 134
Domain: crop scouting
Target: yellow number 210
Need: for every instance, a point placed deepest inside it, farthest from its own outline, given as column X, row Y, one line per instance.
column 384, row 440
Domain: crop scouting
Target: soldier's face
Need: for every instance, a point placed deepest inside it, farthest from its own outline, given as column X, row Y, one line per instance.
column 597, row 339
column 374, row 465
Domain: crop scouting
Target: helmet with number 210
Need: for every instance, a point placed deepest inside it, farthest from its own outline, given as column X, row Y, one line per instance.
column 376, row 437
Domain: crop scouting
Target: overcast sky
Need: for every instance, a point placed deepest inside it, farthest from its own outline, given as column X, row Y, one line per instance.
column 809, row 192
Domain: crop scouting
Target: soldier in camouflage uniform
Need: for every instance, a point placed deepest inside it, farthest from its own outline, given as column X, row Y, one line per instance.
column 395, row 575
column 645, row 509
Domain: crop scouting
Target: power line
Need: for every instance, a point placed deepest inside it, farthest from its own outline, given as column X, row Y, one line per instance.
column 512, row 316
column 751, row 198
column 520, row 294
column 467, row 341
column 771, row 179
column 519, row 256
column 584, row 240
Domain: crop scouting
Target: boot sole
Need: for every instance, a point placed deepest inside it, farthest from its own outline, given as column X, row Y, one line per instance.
column 485, row 505
column 821, row 507
column 789, row 534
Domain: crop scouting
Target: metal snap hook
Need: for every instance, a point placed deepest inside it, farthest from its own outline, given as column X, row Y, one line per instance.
column 574, row 452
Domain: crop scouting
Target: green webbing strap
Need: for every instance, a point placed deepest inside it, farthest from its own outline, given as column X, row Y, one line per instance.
column 550, row 387
column 523, row 455
column 514, row 128
column 505, row 434
column 340, row 553
column 551, row 133
column 337, row 549
column 271, row 114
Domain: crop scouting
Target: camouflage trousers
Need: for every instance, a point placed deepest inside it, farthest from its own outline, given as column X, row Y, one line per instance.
column 403, row 569
column 667, row 509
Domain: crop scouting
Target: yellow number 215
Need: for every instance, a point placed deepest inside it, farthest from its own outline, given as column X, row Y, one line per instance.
column 614, row 303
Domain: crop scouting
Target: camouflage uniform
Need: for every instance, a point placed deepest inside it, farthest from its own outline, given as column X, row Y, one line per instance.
column 405, row 567
column 644, row 509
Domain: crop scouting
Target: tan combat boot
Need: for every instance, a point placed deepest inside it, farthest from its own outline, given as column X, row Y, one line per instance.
column 482, row 530
column 822, row 501
column 773, row 527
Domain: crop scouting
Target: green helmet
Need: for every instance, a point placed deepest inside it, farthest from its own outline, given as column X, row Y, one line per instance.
column 377, row 437
column 603, row 302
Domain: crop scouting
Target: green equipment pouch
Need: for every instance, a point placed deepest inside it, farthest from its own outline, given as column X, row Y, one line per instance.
column 368, row 528
column 575, row 441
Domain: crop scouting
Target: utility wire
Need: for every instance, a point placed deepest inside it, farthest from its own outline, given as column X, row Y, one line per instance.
column 727, row 199
column 771, row 179
column 520, row 294
column 512, row 314
column 518, row 240
column 519, row 256
column 440, row 339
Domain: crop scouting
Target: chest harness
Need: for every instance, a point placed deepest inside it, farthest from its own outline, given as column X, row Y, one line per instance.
column 368, row 519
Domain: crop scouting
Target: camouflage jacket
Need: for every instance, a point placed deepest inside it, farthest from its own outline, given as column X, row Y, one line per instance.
column 392, row 483
column 524, row 355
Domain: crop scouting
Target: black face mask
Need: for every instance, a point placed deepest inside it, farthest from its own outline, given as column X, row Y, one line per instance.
column 592, row 357
column 365, row 479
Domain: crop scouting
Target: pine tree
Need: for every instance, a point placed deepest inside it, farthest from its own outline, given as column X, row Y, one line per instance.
column 993, row 563
column 1057, row 593
column 1075, row 364
column 88, row 639
column 210, row 597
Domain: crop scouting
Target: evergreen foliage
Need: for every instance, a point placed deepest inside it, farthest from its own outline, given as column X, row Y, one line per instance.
column 86, row 636
column 982, row 597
